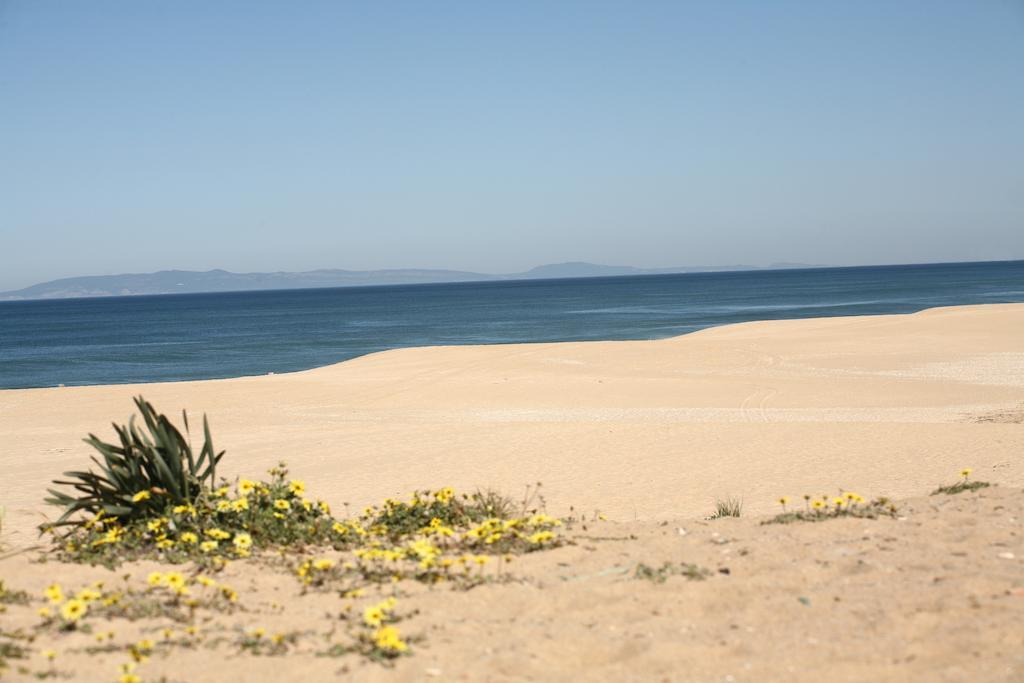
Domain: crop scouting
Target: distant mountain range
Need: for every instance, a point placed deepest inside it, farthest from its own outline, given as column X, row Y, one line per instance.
column 194, row 282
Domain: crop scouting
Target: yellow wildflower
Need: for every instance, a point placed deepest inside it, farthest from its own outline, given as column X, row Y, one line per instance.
column 297, row 487
column 373, row 615
column 189, row 537
column 155, row 579
column 240, row 505
column 141, row 496
column 45, row 612
column 966, row 472
column 246, row 487
column 541, row 537
column 208, row 546
column 323, row 564
column 73, row 610
column 282, row 504
column 175, row 580
column 388, row 638
column 49, row 654
column 54, row 593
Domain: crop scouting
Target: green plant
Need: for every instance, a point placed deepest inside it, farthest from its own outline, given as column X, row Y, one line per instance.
column 142, row 475
column 965, row 484
column 660, row 574
column 730, row 507
column 848, row 505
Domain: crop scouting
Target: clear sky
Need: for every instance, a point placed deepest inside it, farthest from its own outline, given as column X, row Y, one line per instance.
column 495, row 136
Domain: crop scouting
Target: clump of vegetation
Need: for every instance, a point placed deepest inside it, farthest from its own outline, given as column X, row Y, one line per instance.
column 730, row 507
column 965, row 484
column 11, row 597
column 154, row 499
column 846, row 504
column 660, row 574
column 226, row 522
column 143, row 475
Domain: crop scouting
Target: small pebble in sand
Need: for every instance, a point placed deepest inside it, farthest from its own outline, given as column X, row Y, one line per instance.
column 1006, row 556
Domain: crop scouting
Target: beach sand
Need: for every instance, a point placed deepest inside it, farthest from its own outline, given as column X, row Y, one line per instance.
column 650, row 434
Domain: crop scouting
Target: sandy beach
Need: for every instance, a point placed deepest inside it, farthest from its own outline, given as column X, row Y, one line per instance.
column 649, row 434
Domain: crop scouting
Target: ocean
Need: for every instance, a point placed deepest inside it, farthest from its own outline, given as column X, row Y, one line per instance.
column 120, row 340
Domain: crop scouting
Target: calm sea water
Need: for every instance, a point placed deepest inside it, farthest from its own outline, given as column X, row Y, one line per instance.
column 200, row 336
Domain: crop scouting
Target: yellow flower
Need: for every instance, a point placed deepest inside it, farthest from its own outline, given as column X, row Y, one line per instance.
column 73, row 610
column 323, row 564
column 242, row 541
column 208, row 546
column 258, row 632
column 240, row 505
column 838, row 502
column 966, row 472
column 818, row 504
column 373, row 615
column 223, row 506
column 205, row 581
column 45, row 612
column 54, row 593
column 88, row 595
column 388, row 638
column 189, row 537
column 297, row 487
column 277, row 638
column 218, row 534
column 541, row 537
column 282, row 504
column 444, row 495
column 49, row 654
column 784, row 501
column 155, row 579
column 246, row 487
column 141, row 496
column 222, row 491
column 175, row 580
column 129, row 678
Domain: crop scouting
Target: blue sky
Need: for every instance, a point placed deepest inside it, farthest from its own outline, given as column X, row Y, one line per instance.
column 495, row 136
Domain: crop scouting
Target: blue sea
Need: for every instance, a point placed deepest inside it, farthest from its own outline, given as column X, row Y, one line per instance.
column 202, row 336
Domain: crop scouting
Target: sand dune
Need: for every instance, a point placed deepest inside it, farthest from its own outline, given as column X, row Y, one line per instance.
column 639, row 429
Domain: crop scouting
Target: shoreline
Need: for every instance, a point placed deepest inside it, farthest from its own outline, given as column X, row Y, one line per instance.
column 506, row 344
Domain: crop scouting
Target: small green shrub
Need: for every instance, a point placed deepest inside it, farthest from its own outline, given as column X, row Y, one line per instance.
column 143, row 475
column 730, row 507
column 661, row 574
column 965, row 484
column 847, row 505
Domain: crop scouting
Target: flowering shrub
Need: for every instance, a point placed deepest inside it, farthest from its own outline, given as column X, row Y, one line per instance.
column 228, row 522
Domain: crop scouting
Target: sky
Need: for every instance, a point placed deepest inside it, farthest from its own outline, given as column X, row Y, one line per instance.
column 496, row 136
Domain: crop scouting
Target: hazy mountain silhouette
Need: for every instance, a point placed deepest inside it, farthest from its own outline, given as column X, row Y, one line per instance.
column 191, row 282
